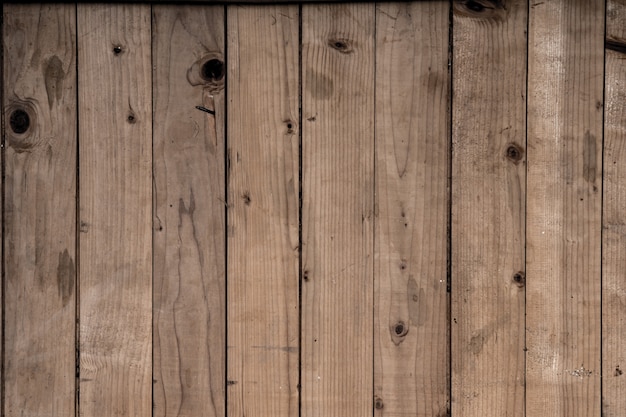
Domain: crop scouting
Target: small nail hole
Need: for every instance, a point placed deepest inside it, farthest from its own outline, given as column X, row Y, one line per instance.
column 131, row 118
column 117, row 50
column 519, row 278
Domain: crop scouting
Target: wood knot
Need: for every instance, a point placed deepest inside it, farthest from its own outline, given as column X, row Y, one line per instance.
column 519, row 278
column 213, row 70
column 208, row 71
column 514, row 153
column 378, row 403
column 481, row 9
column 398, row 332
column 19, row 120
column 340, row 44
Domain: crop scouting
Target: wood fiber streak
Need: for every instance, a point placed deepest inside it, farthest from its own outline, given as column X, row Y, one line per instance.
column 263, row 212
column 614, row 219
column 565, row 93
column 115, row 131
column 338, row 209
column 189, row 206
column 39, row 209
column 488, row 202
column 411, row 233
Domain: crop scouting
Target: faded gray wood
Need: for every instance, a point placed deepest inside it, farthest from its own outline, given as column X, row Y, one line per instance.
column 411, row 345
column 488, row 209
column 39, row 210
column 189, row 312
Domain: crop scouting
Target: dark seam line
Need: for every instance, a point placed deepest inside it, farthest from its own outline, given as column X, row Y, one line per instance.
column 449, row 220
column 300, row 263
column 226, row 178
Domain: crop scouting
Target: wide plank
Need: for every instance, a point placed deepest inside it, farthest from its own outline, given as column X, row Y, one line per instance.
column 411, row 346
column 614, row 215
column 337, row 209
column 564, row 201
column 115, row 186
column 263, row 211
column 189, row 230
column 488, row 208
column 39, row 240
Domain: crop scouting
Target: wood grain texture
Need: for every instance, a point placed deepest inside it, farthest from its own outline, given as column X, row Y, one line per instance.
column 189, row 230
column 40, row 209
column 411, row 233
column 338, row 209
column 115, row 131
column 488, row 196
column 263, row 211
column 565, row 93
column 614, row 216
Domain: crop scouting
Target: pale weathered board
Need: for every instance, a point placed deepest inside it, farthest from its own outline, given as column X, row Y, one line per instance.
column 115, row 191
column 337, row 209
column 263, row 212
column 488, row 199
column 411, row 236
column 39, row 104
column 614, row 215
column 564, row 197
column 189, row 230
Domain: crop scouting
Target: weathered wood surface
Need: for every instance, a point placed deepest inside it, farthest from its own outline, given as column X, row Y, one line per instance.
column 337, row 209
column 488, row 196
column 39, row 209
column 564, row 197
column 263, row 212
column 411, row 375
column 614, row 215
column 313, row 209
column 115, row 195
column 189, row 312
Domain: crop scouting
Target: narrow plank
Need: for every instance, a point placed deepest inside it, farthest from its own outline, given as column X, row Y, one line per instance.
column 189, row 229
column 565, row 93
column 115, row 160
column 412, row 165
column 263, row 215
column 614, row 217
column 337, row 209
column 39, row 209
column 488, row 208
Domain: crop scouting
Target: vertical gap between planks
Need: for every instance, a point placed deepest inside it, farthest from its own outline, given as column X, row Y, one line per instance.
column 449, row 231
column 153, row 204
column 602, row 208
column 526, row 196
column 375, row 207
column 77, row 241
column 2, row 169
column 300, row 265
column 227, row 202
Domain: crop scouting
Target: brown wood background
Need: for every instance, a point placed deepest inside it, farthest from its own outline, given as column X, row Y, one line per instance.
column 317, row 210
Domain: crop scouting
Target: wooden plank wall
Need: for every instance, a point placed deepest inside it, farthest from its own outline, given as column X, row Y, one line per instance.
column 395, row 209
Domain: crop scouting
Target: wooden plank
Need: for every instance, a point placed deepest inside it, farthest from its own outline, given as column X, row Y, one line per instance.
column 565, row 93
column 337, row 209
column 263, row 211
column 614, row 217
column 39, row 209
column 115, row 159
column 488, row 208
column 189, row 230
column 411, row 232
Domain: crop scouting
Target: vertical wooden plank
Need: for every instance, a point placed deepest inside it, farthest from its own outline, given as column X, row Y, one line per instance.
column 337, row 209
column 189, row 229
column 263, row 214
column 614, row 217
column 40, row 209
column 488, row 205
column 412, row 165
column 115, row 160
column 565, row 93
